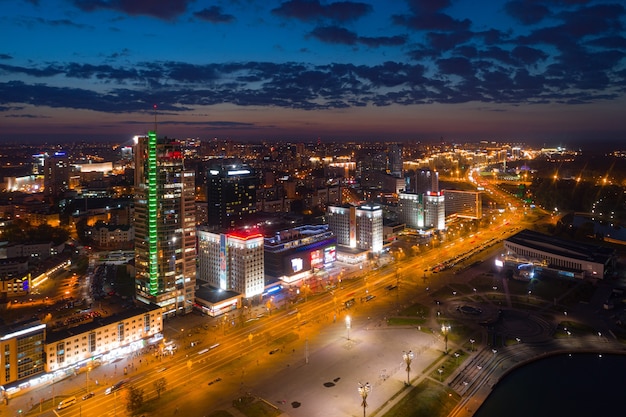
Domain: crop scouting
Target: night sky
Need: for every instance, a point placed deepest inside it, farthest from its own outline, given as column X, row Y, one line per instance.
column 536, row 71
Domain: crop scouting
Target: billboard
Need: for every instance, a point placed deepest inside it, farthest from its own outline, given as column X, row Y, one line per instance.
column 317, row 258
column 297, row 264
column 330, row 254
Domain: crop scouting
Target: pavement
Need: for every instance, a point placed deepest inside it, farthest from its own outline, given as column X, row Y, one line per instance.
column 319, row 376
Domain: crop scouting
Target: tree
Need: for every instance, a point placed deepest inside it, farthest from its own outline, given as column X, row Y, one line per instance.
column 160, row 386
column 134, row 399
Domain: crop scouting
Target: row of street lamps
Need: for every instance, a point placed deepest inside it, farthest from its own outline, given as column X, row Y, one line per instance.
column 365, row 389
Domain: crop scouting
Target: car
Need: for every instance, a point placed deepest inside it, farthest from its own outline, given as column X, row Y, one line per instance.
column 274, row 351
column 215, row 380
column 66, row 402
column 116, row 387
column 88, row 396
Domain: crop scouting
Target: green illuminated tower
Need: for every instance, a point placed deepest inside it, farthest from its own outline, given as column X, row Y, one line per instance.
column 165, row 253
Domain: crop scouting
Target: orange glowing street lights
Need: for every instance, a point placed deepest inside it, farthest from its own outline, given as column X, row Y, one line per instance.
column 445, row 329
column 364, row 390
column 408, row 358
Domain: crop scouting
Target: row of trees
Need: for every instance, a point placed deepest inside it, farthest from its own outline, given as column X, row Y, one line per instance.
column 135, row 396
column 20, row 231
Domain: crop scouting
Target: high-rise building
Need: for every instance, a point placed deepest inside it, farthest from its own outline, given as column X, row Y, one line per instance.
column 22, row 353
column 426, row 181
column 165, row 225
column 357, row 227
column 411, row 209
column 395, row 160
column 465, row 204
column 232, row 261
column 231, row 195
column 434, row 211
column 56, row 173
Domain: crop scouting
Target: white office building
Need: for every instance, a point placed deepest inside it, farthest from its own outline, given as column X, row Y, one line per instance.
column 357, row 227
column 232, row 261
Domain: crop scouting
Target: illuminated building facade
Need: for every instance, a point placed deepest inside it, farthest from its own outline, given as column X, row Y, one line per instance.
column 106, row 338
column 56, row 171
column 165, row 225
column 357, row 227
column 232, row 261
column 411, row 209
column 231, row 195
column 395, row 160
column 553, row 256
column 426, row 181
column 434, row 211
column 22, row 351
column 294, row 254
column 464, row 204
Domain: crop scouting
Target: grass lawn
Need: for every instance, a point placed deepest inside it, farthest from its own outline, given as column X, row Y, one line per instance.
column 427, row 399
column 575, row 328
column 415, row 310
column 253, row 407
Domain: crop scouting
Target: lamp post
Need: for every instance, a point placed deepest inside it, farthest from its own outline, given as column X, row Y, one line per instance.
column 445, row 329
column 472, row 342
column 348, row 324
column 88, row 370
column 364, row 390
column 408, row 358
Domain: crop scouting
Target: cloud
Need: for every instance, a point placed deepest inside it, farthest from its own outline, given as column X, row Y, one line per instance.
column 61, row 22
column 456, row 66
column 375, row 42
column 5, row 56
column 335, row 34
column 448, row 40
column 429, row 15
column 340, row 35
column 451, row 67
column 428, row 6
column 313, row 10
column 611, row 42
column 528, row 55
column 433, row 21
column 527, row 12
column 214, row 14
column 161, row 9
column 26, row 116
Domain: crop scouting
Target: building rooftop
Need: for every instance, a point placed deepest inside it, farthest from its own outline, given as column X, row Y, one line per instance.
column 214, row 295
column 56, row 335
column 561, row 247
column 8, row 329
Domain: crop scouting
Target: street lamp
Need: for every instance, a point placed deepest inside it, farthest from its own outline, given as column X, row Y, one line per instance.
column 472, row 342
column 364, row 390
column 88, row 370
column 348, row 324
column 445, row 329
column 408, row 358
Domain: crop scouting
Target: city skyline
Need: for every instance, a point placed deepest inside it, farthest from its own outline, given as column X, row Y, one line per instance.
column 540, row 72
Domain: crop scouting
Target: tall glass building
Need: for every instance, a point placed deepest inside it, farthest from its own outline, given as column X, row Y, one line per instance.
column 165, row 225
column 231, row 195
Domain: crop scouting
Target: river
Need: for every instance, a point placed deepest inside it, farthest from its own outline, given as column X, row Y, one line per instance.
column 576, row 385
